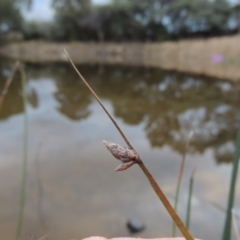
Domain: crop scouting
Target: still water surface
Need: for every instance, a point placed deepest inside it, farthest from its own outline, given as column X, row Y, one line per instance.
column 72, row 190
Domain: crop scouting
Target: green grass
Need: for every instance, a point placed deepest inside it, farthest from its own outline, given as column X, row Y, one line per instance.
column 228, row 221
column 190, row 191
column 180, row 175
column 25, row 157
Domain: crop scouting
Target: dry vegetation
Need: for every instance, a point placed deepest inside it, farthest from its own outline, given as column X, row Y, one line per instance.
column 194, row 56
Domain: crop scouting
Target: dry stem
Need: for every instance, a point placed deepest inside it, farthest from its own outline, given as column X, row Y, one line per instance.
column 186, row 233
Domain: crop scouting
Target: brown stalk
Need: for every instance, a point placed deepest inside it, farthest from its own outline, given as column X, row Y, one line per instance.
column 186, row 233
column 8, row 83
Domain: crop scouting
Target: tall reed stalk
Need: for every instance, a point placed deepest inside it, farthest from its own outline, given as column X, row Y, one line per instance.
column 181, row 169
column 190, row 190
column 25, row 156
column 186, row 233
column 228, row 221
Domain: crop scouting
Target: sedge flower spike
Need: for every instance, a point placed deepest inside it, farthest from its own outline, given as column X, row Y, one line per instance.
column 126, row 155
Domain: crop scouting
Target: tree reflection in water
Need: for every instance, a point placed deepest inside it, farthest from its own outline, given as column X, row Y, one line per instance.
column 169, row 104
column 12, row 102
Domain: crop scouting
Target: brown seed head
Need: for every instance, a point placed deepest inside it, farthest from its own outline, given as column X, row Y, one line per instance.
column 124, row 154
column 124, row 166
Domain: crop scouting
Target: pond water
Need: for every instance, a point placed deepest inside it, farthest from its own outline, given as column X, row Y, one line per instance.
column 72, row 189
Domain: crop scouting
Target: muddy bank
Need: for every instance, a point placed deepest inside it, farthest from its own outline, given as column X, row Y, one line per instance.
column 216, row 57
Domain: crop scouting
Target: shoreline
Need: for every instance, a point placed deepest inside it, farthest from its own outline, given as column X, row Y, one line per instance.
column 214, row 57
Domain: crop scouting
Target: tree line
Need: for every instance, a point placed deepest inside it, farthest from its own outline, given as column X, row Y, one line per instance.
column 125, row 20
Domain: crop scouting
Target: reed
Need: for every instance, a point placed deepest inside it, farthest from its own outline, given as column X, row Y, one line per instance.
column 195, row 56
column 228, row 221
column 181, row 169
column 190, row 190
column 186, row 233
column 25, row 156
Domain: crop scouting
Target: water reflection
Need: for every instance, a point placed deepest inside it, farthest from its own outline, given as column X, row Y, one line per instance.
column 168, row 104
column 73, row 102
column 13, row 101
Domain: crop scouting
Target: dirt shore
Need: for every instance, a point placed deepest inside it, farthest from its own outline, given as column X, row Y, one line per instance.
column 216, row 57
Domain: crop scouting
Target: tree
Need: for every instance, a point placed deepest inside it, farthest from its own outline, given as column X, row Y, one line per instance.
column 10, row 16
column 198, row 16
column 117, row 21
column 235, row 18
column 145, row 20
column 68, row 13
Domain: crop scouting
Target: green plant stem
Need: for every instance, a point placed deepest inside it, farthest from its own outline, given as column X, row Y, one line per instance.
column 151, row 179
column 228, row 221
column 178, row 190
column 175, row 207
column 189, row 202
column 24, row 163
column 180, row 180
column 190, row 190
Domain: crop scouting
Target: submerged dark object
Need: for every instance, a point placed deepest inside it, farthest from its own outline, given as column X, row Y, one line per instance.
column 135, row 225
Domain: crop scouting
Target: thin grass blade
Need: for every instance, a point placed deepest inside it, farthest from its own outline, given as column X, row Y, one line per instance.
column 181, row 169
column 228, row 221
column 25, row 157
column 190, row 191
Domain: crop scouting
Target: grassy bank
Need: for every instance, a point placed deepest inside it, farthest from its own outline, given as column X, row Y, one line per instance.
column 216, row 57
